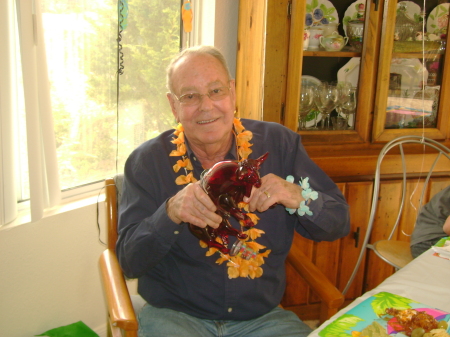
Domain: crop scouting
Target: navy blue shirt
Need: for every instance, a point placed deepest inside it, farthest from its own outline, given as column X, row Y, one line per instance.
column 172, row 268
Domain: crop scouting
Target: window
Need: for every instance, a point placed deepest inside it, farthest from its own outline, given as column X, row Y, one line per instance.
column 81, row 43
column 93, row 125
column 60, row 113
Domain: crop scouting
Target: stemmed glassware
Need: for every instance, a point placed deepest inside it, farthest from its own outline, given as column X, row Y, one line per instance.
column 348, row 105
column 344, row 94
column 306, row 104
column 326, row 97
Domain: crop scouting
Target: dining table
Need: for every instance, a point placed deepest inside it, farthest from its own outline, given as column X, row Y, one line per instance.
column 426, row 279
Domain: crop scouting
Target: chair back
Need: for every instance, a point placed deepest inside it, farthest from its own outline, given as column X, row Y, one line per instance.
column 113, row 193
column 396, row 252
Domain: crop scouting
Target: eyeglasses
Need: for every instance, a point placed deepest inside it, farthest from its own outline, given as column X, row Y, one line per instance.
column 195, row 98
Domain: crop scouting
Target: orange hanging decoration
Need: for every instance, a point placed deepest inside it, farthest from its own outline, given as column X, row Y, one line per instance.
column 186, row 15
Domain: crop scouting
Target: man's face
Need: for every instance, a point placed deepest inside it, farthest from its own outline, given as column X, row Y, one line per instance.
column 209, row 121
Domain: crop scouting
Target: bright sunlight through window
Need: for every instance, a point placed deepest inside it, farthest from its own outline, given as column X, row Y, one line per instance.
column 81, row 45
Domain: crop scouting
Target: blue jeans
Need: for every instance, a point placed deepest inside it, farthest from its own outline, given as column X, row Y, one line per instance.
column 156, row 322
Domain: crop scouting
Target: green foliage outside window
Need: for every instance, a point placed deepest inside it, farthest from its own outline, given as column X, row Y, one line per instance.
column 81, row 40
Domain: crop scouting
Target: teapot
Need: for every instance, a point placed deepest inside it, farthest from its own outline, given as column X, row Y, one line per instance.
column 333, row 42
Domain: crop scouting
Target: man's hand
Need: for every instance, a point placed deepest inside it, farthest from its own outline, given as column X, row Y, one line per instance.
column 194, row 206
column 274, row 190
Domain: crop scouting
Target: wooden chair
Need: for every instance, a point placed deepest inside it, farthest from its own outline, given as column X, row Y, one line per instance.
column 121, row 315
column 397, row 253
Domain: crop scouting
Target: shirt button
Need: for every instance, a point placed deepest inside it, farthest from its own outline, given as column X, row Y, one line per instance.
column 195, row 158
column 230, row 309
column 176, row 232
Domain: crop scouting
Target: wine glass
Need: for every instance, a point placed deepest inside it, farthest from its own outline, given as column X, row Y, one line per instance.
column 306, row 104
column 348, row 107
column 326, row 96
column 344, row 90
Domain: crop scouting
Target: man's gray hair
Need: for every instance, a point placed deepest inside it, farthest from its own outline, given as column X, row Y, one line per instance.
column 199, row 50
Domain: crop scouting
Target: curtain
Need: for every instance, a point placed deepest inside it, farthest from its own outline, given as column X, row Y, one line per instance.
column 42, row 159
column 8, row 204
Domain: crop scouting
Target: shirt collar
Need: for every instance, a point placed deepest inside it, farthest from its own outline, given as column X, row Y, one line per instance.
column 231, row 154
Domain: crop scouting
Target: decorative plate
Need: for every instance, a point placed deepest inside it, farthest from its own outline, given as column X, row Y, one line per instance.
column 350, row 72
column 352, row 13
column 320, row 12
column 412, row 10
column 438, row 19
column 310, row 118
column 311, row 80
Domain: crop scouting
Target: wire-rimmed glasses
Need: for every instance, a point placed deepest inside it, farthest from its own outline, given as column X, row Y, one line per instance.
column 194, row 98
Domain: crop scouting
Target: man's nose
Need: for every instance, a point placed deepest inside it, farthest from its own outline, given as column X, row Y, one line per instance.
column 205, row 102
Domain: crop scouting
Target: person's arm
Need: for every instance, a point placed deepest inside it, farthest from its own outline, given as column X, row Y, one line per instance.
column 154, row 211
column 446, row 227
column 330, row 212
column 328, row 219
column 146, row 233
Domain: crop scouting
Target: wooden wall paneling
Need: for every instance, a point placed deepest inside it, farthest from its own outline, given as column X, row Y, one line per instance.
column 295, row 64
column 389, row 201
column 354, row 164
column 376, row 271
column 252, row 18
column 326, row 257
column 436, row 185
column 415, row 187
column 359, row 198
column 276, row 60
column 411, row 209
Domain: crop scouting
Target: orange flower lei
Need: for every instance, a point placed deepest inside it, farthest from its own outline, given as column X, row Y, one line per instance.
column 237, row 266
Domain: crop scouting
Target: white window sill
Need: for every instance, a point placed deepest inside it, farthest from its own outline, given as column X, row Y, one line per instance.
column 73, row 199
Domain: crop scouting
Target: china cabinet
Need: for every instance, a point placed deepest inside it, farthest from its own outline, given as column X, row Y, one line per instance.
column 402, row 78
column 271, row 63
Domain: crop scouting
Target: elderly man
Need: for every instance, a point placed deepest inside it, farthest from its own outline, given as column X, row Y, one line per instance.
column 192, row 289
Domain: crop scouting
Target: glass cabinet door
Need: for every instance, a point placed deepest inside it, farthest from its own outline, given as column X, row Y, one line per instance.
column 333, row 40
column 411, row 85
column 328, row 41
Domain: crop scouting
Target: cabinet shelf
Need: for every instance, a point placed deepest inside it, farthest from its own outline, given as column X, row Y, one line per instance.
column 346, row 52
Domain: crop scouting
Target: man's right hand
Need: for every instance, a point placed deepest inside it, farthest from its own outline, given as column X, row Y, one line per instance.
column 194, row 206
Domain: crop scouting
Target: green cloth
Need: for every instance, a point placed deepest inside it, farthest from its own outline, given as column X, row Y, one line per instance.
column 78, row 329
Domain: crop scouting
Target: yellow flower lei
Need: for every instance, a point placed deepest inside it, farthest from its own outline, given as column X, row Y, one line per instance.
column 237, row 266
